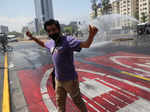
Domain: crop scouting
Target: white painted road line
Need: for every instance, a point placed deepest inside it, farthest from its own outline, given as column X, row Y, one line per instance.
column 89, row 71
column 148, row 63
column 114, row 59
column 140, row 105
column 116, row 78
column 130, row 83
column 91, row 88
column 116, row 87
column 43, row 87
column 143, row 65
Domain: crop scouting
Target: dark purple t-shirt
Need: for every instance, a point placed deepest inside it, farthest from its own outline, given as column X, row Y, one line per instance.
column 63, row 57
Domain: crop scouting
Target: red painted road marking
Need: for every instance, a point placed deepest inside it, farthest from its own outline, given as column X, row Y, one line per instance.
column 128, row 99
column 101, row 109
column 133, row 97
column 105, row 60
column 122, row 97
column 105, row 104
column 118, row 96
column 130, row 88
column 132, row 62
column 70, row 105
column 134, row 90
column 114, row 100
column 30, row 83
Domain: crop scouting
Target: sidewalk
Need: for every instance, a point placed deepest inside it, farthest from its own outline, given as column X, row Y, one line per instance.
column 1, row 78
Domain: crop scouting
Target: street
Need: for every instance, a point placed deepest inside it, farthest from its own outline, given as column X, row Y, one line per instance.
column 114, row 77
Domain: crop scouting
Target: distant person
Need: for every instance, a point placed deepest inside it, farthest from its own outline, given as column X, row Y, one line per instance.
column 65, row 75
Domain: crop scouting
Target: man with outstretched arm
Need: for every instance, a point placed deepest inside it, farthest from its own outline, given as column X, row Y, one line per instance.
column 66, row 78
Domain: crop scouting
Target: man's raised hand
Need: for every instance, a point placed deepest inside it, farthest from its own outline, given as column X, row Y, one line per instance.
column 92, row 31
column 28, row 33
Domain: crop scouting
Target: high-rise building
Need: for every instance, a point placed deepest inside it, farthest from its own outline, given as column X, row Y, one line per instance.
column 3, row 29
column 38, row 25
column 43, row 10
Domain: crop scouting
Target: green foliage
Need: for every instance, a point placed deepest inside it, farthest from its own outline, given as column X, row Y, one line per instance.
column 105, row 6
column 144, row 17
column 136, row 15
column 42, row 32
column 68, row 29
column 105, row 3
column 95, row 7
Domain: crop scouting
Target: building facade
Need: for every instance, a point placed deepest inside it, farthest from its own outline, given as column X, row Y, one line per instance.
column 115, row 7
column 116, row 10
column 128, row 7
column 134, row 8
column 4, row 29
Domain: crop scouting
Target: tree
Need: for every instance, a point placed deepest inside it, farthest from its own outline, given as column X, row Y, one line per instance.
column 74, row 26
column 42, row 32
column 105, row 6
column 136, row 15
column 144, row 17
column 94, row 7
column 68, row 30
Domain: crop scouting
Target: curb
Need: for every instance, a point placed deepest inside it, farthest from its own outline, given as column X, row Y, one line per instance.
column 6, row 96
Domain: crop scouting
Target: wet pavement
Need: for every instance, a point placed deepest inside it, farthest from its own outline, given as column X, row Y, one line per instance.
column 114, row 77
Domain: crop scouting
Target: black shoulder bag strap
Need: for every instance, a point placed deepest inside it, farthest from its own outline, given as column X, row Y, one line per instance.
column 53, row 72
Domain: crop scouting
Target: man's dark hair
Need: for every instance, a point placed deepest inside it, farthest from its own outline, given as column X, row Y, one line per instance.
column 51, row 22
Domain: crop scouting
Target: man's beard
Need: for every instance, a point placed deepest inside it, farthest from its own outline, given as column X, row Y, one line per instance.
column 56, row 37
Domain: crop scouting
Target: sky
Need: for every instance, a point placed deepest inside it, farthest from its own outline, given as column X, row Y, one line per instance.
column 17, row 13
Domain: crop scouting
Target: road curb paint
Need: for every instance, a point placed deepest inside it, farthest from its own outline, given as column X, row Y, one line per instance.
column 6, row 97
